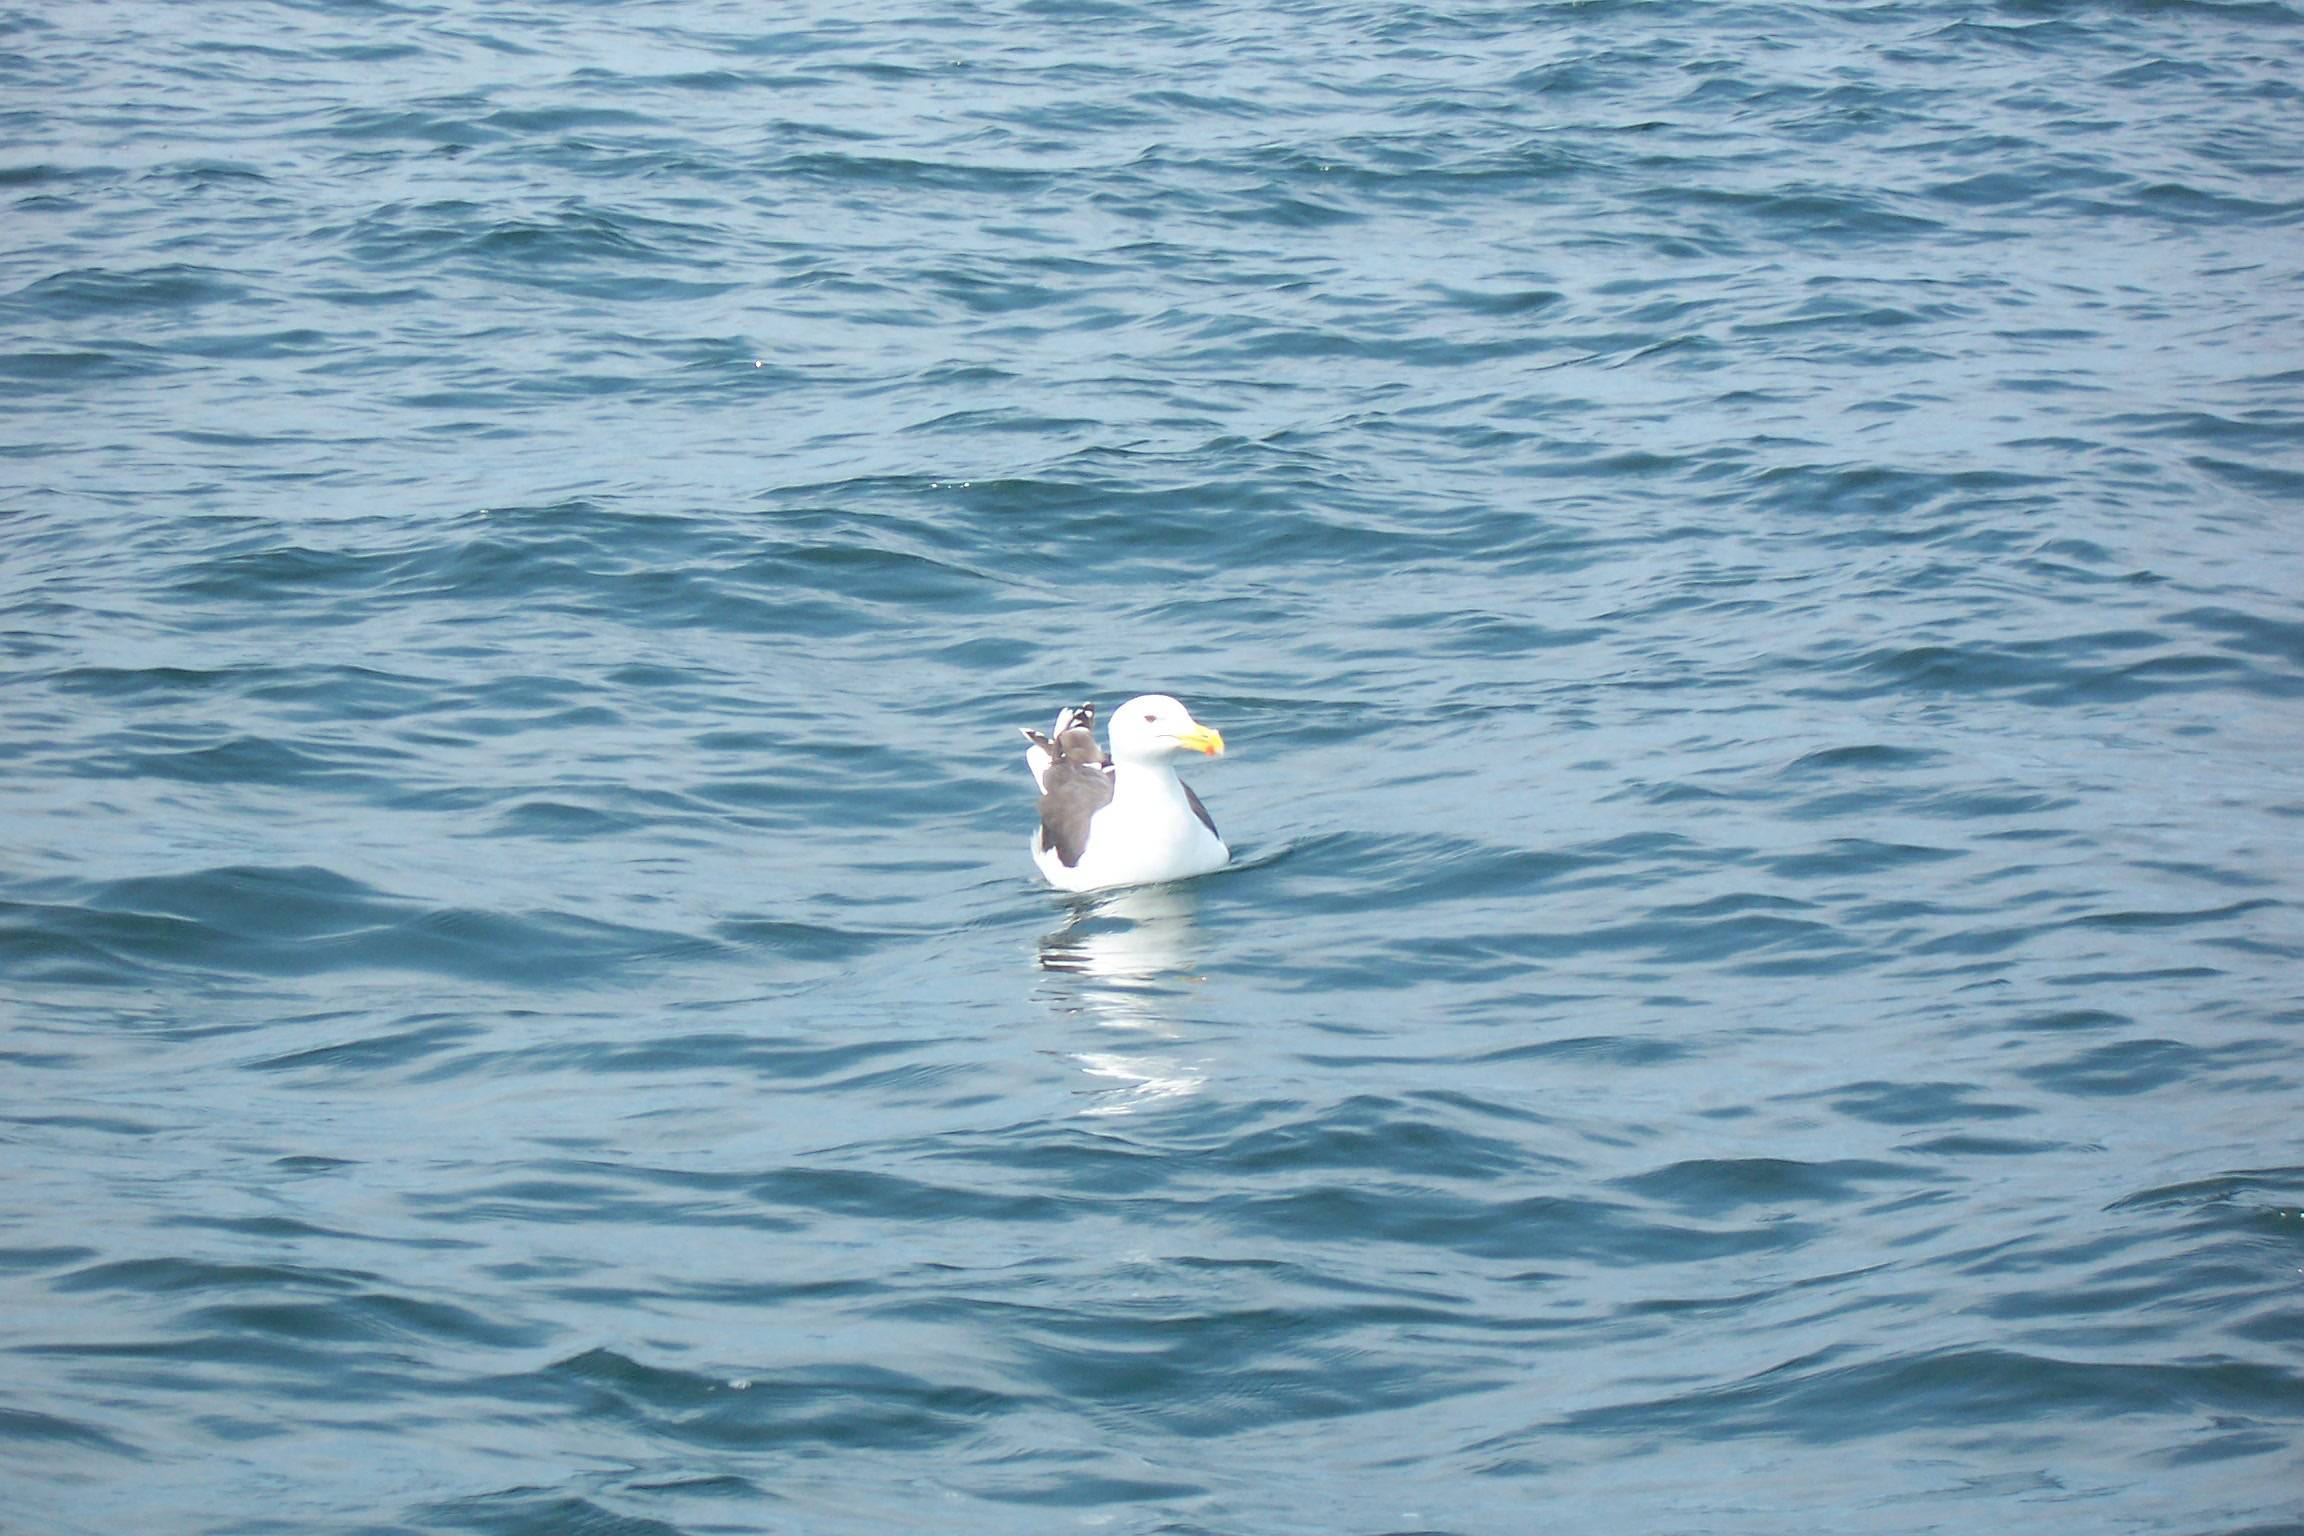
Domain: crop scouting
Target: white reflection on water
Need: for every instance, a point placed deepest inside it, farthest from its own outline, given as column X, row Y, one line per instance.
column 1124, row 961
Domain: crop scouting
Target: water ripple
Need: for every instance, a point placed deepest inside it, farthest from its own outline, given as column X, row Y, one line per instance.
column 1743, row 555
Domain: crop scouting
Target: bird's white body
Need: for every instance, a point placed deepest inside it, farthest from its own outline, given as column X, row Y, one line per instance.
column 1149, row 831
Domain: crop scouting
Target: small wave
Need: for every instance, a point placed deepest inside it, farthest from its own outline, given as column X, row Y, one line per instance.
column 1826, row 1402
column 308, row 921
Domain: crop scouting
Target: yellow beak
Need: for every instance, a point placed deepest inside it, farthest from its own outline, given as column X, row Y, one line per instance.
column 1201, row 739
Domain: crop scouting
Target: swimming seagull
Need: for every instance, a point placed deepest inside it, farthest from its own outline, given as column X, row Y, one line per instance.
column 1122, row 818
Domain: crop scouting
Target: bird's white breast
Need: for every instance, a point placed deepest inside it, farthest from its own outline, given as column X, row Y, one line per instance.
column 1146, row 834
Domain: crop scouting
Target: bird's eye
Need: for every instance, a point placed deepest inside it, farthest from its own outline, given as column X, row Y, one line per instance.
column 1151, row 719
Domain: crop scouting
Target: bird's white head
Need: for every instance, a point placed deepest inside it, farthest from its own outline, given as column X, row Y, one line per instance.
column 1153, row 728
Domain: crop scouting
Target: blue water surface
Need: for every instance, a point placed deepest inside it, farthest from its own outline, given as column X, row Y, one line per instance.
column 1751, row 559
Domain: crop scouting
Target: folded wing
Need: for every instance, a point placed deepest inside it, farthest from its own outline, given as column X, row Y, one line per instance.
column 1075, row 779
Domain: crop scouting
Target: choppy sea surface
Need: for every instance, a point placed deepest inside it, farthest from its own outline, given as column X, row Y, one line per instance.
column 1751, row 560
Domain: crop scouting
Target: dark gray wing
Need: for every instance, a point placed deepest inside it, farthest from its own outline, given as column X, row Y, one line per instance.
column 1073, row 793
column 1076, row 736
column 1201, row 811
column 1078, row 745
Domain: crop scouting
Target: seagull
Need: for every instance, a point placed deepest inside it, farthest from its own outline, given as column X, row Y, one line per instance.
column 1122, row 818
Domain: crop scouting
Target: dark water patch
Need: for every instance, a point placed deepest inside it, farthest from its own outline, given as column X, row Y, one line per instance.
column 2276, row 434
column 293, row 342
column 1333, row 875
column 1888, row 1103
column 2121, row 1068
column 2068, row 1020
column 1512, row 1229
column 97, row 291
column 190, row 1361
column 373, row 1052
column 46, row 368
column 2131, row 1302
column 2263, row 1188
column 1845, row 858
column 594, row 571
column 885, row 1196
column 1087, row 1491
column 2284, row 484
column 1679, row 794
column 1823, row 1403
column 1989, row 939
column 1723, row 929
column 302, row 922
column 1965, row 1145
column 35, row 174
column 1758, row 942
column 1609, row 1050
column 1279, row 1366
column 607, row 1196
column 202, row 173
column 549, row 119
column 33, row 949
column 791, row 1060
column 767, row 1409
column 312, row 1164
column 303, row 902
column 532, row 1512
column 30, row 1427
column 868, row 789
column 441, row 125
column 108, row 1125
column 247, row 577
column 2053, row 674
column 1524, row 301
column 1716, row 1188
column 33, row 1260
column 166, row 1276
column 249, row 760
column 2126, row 921
column 578, row 558
column 558, row 821
column 723, row 1487
column 1372, row 1135
column 566, row 250
column 254, row 1226
column 1878, row 491
column 1875, row 756
column 859, row 175
column 2210, row 874
column 2254, row 634
column 358, row 1319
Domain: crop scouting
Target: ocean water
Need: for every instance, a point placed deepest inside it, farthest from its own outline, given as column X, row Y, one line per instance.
column 1751, row 560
